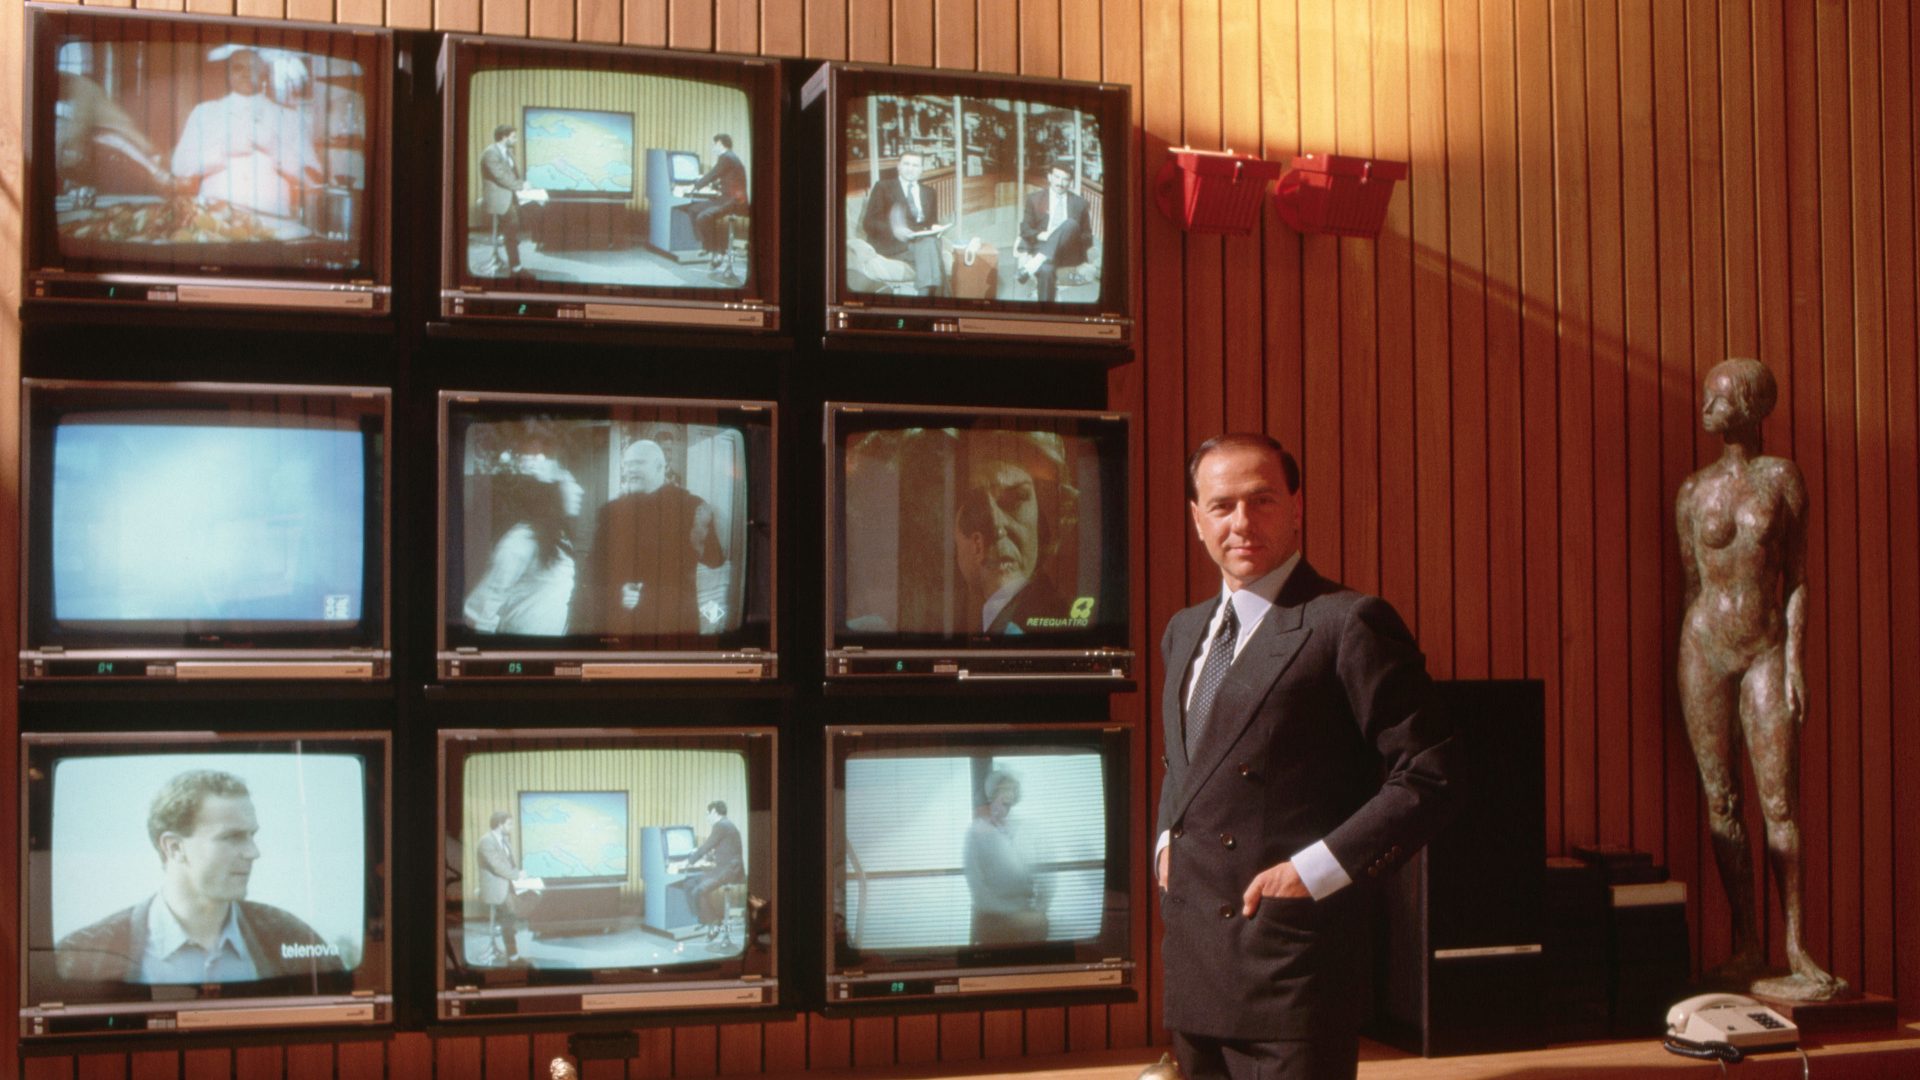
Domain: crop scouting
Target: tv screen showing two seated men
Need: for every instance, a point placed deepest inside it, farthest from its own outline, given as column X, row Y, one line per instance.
column 175, row 879
column 200, row 148
column 606, row 173
column 635, row 869
column 984, row 199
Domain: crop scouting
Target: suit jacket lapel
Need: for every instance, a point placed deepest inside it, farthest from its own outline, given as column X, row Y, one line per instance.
column 1265, row 658
column 1186, row 642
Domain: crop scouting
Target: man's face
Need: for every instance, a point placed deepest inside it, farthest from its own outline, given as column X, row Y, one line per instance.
column 216, row 858
column 512, row 140
column 713, row 816
column 719, row 148
column 643, row 468
column 246, row 73
column 909, row 168
column 572, row 496
column 1004, row 800
column 1057, row 179
column 1011, row 550
column 1244, row 515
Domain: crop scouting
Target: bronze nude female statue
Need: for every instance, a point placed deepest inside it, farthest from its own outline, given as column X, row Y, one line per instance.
column 1743, row 528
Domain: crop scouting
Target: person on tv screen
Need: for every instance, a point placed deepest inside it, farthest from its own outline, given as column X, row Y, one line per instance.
column 529, row 581
column 1004, row 527
column 199, row 927
column 498, row 871
column 1008, row 908
column 728, row 181
column 501, row 182
column 1055, row 232
column 901, row 221
column 648, row 545
column 247, row 148
column 720, row 862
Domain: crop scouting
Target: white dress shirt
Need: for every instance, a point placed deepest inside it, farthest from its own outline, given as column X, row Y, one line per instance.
column 172, row 957
column 1319, row 871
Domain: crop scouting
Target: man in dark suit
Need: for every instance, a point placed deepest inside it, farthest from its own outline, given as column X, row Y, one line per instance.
column 902, row 221
column 1303, row 761
column 724, row 864
column 728, row 182
column 1055, row 232
column 500, row 187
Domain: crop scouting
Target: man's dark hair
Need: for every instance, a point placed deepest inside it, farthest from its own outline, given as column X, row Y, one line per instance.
column 718, row 806
column 1243, row 440
column 502, row 132
column 724, row 140
column 176, row 807
column 1063, row 166
column 498, row 817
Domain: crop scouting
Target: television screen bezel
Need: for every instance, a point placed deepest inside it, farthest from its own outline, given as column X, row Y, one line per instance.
column 1018, row 319
column 753, row 306
column 745, row 643
column 1114, row 644
column 1115, row 744
column 254, row 288
column 377, row 964
column 550, row 988
column 370, row 641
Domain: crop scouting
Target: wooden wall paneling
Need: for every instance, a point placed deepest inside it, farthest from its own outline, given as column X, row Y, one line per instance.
column 1612, row 718
column 598, row 21
column 1836, row 801
column 913, row 32
column 1900, row 33
column 998, row 35
column 508, row 17
column 1466, row 340
column 261, row 9
column 310, row 1061
column 1002, row 1035
column 47, row 1068
column 418, row 14
column 869, row 33
column 696, row 1050
column 1087, row 1028
column 508, row 1056
column 959, row 1036
column 652, row 1053
column 784, row 1045
column 308, row 10
column 209, row 7
column 1242, row 321
column 1875, row 858
column 740, row 1049
column 1200, row 91
column 644, row 22
column 1808, row 439
column 259, row 1063
column 955, row 44
column 1082, row 34
column 458, row 1056
column 827, row 29
column 456, row 15
column 12, row 65
column 1283, row 359
column 1647, row 515
column 410, row 1054
column 1358, row 340
column 1040, row 37
column 872, row 1041
column 783, row 29
column 100, row 1067
column 829, row 1042
column 736, row 26
column 1505, row 448
column 690, row 24
column 1429, row 182
column 1393, row 322
column 1046, row 1032
column 1738, row 202
column 1573, row 226
column 208, row 1064
column 1686, row 857
column 551, row 20
column 1319, row 450
column 164, row 1065
column 917, row 1040
column 362, row 12
column 366, row 1059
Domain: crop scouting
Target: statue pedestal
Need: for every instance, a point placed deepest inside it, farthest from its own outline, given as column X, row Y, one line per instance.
column 1857, row 1013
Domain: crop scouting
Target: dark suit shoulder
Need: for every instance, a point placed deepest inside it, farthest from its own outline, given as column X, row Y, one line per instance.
column 101, row 950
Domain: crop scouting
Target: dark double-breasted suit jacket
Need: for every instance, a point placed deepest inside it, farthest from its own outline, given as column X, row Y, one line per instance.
column 1322, row 731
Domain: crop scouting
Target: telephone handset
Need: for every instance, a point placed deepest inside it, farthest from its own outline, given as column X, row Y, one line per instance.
column 1727, row 1026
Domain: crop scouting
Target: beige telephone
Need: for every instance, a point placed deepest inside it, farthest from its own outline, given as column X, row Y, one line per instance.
column 1727, row 1026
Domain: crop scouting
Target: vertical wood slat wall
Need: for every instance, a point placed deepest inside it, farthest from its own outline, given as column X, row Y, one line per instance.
column 1494, row 402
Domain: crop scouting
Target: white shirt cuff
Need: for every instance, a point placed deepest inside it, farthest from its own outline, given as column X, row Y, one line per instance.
column 1160, row 846
column 1319, row 871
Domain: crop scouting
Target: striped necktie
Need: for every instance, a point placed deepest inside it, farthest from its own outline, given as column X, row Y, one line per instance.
column 1212, row 674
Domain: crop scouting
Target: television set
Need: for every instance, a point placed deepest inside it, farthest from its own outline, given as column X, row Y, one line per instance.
column 203, row 531
column 198, row 882
column 197, row 162
column 606, row 538
column 977, row 544
column 975, row 206
column 607, row 870
column 610, row 186
column 988, row 860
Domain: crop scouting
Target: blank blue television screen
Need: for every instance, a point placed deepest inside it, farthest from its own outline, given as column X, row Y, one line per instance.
column 217, row 524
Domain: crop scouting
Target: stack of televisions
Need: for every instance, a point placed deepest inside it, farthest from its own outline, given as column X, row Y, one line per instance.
column 283, row 869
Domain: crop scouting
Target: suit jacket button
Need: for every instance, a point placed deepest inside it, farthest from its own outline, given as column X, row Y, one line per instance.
column 1226, row 911
column 1245, row 770
column 1164, row 763
column 1176, row 831
column 1374, row 870
column 1395, row 853
column 1226, row 841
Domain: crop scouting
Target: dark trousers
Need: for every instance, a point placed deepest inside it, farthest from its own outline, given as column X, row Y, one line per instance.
column 708, row 905
column 1334, row 1057
column 1046, row 278
column 502, row 918
column 710, row 224
column 507, row 227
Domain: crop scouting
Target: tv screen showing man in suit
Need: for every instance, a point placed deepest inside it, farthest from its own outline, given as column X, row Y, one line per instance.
column 973, row 198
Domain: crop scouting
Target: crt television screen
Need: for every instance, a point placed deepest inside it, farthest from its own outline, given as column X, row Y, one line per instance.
column 189, row 145
column 182, row 870
column 974, row 198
